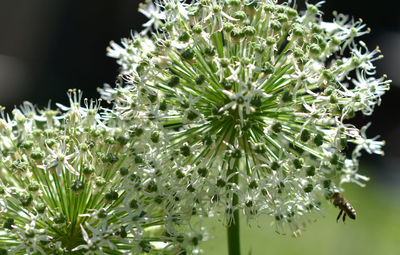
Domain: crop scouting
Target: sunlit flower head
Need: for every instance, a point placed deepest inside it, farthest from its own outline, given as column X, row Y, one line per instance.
column 251, row 98
column 71, row 183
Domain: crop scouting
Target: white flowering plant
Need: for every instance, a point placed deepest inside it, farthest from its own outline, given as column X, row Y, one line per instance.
column 222, row 108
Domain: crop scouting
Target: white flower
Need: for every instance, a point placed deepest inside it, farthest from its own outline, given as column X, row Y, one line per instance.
column 369, row 145
column 60, row 160
column 153, row 13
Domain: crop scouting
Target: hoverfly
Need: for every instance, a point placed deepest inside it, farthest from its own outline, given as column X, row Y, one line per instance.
column 340, row 201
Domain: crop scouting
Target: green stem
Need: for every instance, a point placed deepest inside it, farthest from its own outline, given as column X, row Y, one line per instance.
column 233, row 229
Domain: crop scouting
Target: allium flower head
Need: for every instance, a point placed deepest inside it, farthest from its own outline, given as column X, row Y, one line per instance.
column 70, row 183
column 253, row 99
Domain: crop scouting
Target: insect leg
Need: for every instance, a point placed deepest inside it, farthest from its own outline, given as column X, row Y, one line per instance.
column 340, row 214
column 344, row 217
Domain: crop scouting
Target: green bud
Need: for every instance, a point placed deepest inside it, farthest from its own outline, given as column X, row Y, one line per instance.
column 308, row 188
column 28, row 144
column 145, row 245
column 179, row 174
column 318, row 140
column 153, row 98
column 133, row 204
column 151, row 186
column 202, row 171
column 310, row 171
column 333, row 99
column 87, row 170
column 326, row 183
column 237, row 153
column 315, row 50
column 168, row 26
column 77, row 186
column 111, row 196
column 83, row 147
column 315, row 28
column 155, row 137
column 190, row 188
column 275, row 165
column 192, row 115
column 287, row 97
column 253, row 184
column 305, row 135
column 355, row 61
column 269, row 8
column 270, row 40
column 185, row 150
column 335, row 41
column 100, row 181
column 228, row 27
column 234, row 2
column 276, row 25
column 292, row 13
column 184, row 37
column 197, row 29
column 187, row 54
column 221, row 183
column 224, row 62
column 268, row 68
column 109, row 140
column 249, row 31
column 259, row 48
column 241, row 15
column 312, row 9
column 237, row 34
column 102, row 213
column 33, row 186
column 298, row 30
column 200, row 79
column 283, row 18
column 335, row 159
column 173, row 81
column 37, row 154
column 110, row 158
column 59, row 218
column 256, row 101
column 8, row 223
column 26, row 199
column 298, row 163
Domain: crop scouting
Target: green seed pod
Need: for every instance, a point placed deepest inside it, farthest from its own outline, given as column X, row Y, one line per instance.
column 241, row 15
column 173, row 81
column 111, row 196
column 197, row 29
column 308, row 188
column 184, row 37
column 318, row 140
column 187, row 54
column 310, row 171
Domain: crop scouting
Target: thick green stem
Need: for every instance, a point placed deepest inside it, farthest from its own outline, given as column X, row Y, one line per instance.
column 233, row 229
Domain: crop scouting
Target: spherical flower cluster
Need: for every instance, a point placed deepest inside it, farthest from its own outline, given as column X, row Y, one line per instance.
column 252, row 100
column 75, row 182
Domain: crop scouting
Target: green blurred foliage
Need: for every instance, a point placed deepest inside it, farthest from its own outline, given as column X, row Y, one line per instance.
column 376, row 231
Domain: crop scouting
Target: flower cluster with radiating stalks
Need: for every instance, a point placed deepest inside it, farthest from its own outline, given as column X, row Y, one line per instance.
column 253, row 99
column 73, row 181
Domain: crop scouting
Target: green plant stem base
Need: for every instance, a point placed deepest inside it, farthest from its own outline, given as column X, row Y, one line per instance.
column 233, row 231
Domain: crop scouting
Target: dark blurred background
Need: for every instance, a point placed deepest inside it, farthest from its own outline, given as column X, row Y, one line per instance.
column 47, row 47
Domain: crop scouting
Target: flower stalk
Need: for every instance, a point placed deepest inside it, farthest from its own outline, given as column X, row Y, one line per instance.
column 233, row 224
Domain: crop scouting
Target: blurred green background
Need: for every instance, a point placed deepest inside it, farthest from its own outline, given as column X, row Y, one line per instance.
column 376, row 231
